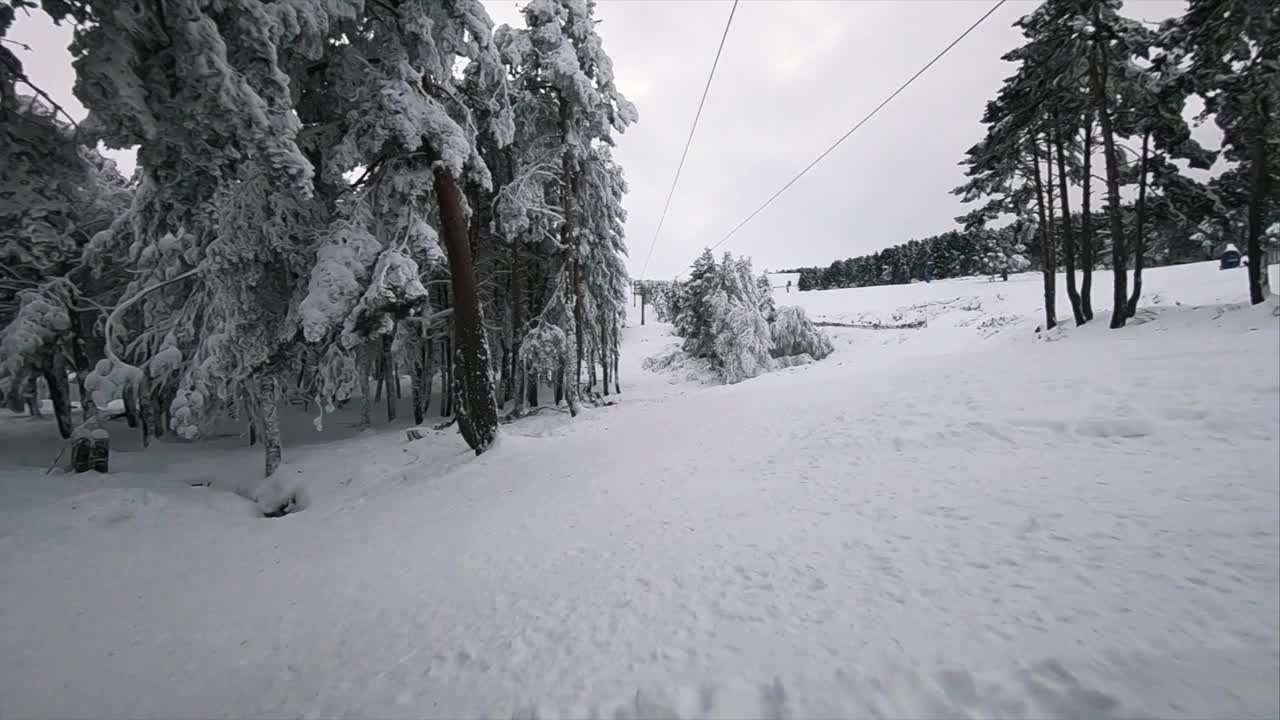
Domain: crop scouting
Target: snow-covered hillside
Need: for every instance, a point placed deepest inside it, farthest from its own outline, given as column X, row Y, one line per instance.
column 965, row 518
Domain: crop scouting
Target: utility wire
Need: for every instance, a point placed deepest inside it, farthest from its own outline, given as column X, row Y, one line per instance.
column 688, row 142
column 861, row 122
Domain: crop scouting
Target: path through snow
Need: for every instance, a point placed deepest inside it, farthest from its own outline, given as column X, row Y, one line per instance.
column 1083, row 528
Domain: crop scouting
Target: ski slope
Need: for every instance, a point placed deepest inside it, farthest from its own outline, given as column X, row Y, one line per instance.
column 962, row 519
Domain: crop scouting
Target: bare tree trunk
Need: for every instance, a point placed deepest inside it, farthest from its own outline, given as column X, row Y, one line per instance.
column 1097, row 82
column 517, row 317
column 268, row 415
column 558, row 386
column 1088, row 260
column 366, row 399
column 1139, row 232
column 389, row 377
column 477, row 413
column 83, row 367
column 1259, row 181
column 1046, row 241
column 606, row 358
column 1068, row 236
column 55, row 376
column 532, row 383
column 130, row 397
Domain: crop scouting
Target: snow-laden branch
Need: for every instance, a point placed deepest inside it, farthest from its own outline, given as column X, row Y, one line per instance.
column 119, row 309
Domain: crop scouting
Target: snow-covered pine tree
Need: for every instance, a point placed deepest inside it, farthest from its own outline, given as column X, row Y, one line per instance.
column 560, row 58
column 794, row 334
column 55, row 195
column 1233, row 48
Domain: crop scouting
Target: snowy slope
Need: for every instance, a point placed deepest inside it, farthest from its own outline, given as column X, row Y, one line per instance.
column 1086, row 527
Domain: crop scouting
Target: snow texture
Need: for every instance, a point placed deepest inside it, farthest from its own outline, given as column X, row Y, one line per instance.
column 946, row 521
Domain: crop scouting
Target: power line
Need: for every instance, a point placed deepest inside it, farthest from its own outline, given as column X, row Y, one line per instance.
column 861, row 122
column 689, row 141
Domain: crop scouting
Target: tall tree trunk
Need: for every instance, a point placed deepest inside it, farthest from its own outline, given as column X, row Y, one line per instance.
column 517, row 315
column 478, row 413
column 579, row 322
column 617, row 353
column 568, row 239
column 531, row 384
column 606, row 357
column 558, row 388
column 1097, row 83
column 1068, row 235
column 1139, row 228
column 1259, row 179
column 82, row 365
column 1047, row 255
column 389, row 378
column 1087, row 258
column 55, row 376
column 422, row 377
column 268, row 415
column 366, row 399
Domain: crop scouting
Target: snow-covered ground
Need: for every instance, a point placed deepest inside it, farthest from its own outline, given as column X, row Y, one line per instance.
column 965, row 518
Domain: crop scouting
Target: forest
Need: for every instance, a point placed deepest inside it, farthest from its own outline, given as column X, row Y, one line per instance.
column 331, row 194
column 1098, row 105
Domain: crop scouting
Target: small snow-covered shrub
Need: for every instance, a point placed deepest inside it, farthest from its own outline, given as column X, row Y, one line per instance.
column 545, row 351
column 676, row 362
column 741, row 338
column 794, row 334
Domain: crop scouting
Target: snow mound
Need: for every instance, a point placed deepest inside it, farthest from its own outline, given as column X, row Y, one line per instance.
column 681, row 366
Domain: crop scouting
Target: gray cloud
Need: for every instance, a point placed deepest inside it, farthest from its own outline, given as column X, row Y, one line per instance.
column 794, row 76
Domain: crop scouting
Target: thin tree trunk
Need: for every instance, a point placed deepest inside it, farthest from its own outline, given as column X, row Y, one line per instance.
column 389, row 377
column 1139, row 229
column 591, row 370
column 268, row 415
column 557, row 387
column 366, row 399
column 1086, row 222
column 517, row 316
column 31, row 395
column 1098, row 81
column 1046, row 241
column 83, row 367
column 568, row 239
column 606, row 358
column 477, row 413
column 1259, row 280
column 55, row 376
column 130, row 397
column 1068, row 236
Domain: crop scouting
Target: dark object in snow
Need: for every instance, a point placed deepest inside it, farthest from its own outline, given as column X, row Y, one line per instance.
column 1229, row 259
column 100, row 450
column 1037, row 329
column 81, row 447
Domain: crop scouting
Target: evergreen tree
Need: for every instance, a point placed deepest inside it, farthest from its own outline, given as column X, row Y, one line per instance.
column 1233, row 48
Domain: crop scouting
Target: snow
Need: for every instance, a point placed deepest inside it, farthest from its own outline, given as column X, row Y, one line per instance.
column 959, row 519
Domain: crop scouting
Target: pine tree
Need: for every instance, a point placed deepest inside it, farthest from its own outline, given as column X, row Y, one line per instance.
column 1233, row 48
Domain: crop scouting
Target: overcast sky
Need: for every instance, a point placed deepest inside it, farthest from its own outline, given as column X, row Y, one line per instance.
column 794, row 76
